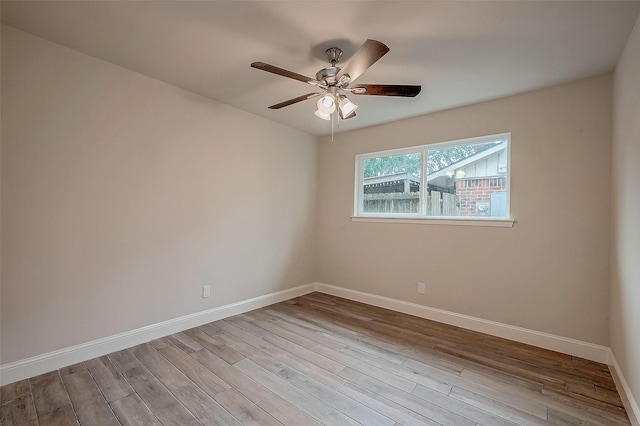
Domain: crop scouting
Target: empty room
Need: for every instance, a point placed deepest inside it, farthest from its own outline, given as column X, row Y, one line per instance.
column 320, row 213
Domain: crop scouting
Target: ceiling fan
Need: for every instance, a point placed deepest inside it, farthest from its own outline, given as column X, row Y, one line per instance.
column 335, row 81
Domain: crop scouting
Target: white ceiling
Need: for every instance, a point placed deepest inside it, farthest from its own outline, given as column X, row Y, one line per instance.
column 460, row 52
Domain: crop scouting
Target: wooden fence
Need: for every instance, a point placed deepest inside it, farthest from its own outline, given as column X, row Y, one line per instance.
column 438, row 203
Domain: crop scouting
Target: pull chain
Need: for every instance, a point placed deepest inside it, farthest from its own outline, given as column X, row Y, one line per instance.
column 332, row 119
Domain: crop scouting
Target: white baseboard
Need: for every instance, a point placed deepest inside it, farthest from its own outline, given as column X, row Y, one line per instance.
column 531, row 337
column 51, row 361
column 630, row 403
column 44, row 363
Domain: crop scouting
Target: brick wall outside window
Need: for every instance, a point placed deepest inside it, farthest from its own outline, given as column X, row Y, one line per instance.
column 473, row 190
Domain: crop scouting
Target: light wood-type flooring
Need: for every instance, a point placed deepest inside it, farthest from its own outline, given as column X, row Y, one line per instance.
column 316, row 360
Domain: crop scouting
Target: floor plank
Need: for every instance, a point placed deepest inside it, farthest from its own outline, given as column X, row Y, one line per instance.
column 244, row 410
column 51, row 400
column 316, row 408
column 283, row 356
column 243, row 384
column 18, row 411
column 199, row 403
column 499, row 409
column 388, row 408
column 111, row 383
column 214, row 346
column 88, row 402
column 161, row 402
column 346, row 405
column 132, row 411
column 425, row 408
column 15, row 390
column 200, row 375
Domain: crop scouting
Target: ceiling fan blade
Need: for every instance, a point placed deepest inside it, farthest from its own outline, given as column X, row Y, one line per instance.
column 285, row 73
column 295, row 100
column 367, row 55
column 385, row 90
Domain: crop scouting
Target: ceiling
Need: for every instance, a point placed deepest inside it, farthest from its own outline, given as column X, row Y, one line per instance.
column 460, row 52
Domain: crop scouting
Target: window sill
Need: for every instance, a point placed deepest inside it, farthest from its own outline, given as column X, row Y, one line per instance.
column 500, row 223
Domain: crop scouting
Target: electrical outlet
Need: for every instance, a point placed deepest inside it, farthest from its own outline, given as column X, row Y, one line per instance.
column 206, row 291
column 421, row 288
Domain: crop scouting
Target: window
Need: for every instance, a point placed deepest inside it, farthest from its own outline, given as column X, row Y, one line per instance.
column 465, row 179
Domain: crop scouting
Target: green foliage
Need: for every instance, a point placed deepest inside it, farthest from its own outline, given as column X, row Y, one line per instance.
column 410, row 163
column 384, row 166
column 440, row 158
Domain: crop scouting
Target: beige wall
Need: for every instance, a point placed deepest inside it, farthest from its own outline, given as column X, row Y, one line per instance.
column 122, row 196
column 550, row 272
column 625, row 283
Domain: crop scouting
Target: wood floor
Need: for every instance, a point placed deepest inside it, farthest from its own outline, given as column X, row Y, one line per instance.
column 316, row 360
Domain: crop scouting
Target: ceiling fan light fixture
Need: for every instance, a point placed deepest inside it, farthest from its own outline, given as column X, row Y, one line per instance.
column 323, row 115
column 347, row 108
column 327, row 104
column 333, row 80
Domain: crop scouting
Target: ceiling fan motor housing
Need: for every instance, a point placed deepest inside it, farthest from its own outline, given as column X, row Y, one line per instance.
column 327, row 76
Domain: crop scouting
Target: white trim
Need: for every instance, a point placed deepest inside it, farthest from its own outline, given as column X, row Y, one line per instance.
column 51, row 361
column 500, row 223
column 552, row 342
column 624, row 390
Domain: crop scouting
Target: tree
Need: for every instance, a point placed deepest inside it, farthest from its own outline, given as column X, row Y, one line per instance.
column 437, row 159
column 384, row 166
column 440, row 158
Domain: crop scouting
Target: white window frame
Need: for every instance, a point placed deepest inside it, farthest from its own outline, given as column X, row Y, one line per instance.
column 421, row 217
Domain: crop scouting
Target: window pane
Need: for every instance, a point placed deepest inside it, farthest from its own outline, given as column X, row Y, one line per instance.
column 467, row 180
column 391, row 184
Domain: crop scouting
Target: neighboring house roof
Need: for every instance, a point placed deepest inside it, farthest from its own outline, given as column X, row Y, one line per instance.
column 467, row 161
column 391, row 183
column 373, row 180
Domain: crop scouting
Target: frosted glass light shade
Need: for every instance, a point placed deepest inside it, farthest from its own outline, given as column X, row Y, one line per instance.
column 327, row 104
column 347, row 108
column 322, row 115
